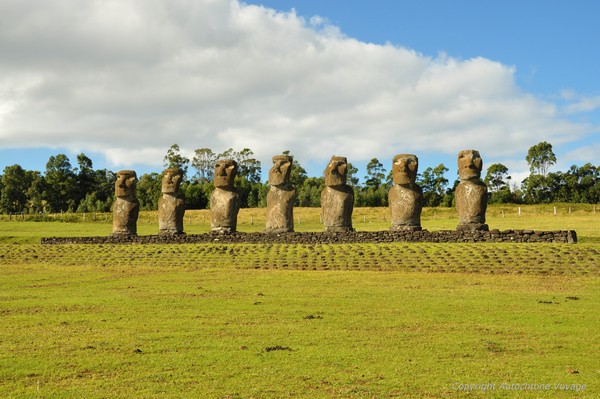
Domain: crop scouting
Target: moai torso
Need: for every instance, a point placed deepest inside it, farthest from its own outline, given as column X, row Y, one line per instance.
column 224, row 200
column 171, row 206
column 337, row 198
column 405, row 198
column 224, row 208
column 281, row 196
column 126, row 206
column 471, row 192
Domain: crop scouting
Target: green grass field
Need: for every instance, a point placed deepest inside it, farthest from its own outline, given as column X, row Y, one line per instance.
column 298, row 321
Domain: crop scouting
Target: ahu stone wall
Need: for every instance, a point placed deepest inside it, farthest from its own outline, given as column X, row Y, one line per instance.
column 442, row 236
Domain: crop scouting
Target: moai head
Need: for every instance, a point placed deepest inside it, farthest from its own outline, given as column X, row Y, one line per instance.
column 469, row 164
column 125, row 184
column 336, row 171
column 404, row 169
column 279, row 174
column 171, row 180
column 225, row 172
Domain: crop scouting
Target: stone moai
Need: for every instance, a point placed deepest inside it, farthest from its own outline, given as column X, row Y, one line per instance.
column 126, row 207
column 405, row 198
column 337, row 198
column 471, row 192
column 281, row 196
column 171, row 206
column 224, row 200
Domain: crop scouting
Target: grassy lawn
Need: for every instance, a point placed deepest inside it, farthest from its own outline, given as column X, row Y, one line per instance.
column 298, row 321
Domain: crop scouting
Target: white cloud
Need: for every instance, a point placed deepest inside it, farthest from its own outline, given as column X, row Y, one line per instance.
column 584, row 104
column 130, row 78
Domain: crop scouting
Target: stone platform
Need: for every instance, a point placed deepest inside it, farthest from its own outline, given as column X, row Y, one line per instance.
column 442, row 236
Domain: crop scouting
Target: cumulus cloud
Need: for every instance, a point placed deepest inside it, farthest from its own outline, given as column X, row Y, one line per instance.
column 129, row 78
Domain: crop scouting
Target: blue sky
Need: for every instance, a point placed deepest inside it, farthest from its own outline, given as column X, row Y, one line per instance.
column 121, row 82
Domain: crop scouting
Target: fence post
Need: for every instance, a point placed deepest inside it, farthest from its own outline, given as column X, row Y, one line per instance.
column 554, row 211
column 519, row 211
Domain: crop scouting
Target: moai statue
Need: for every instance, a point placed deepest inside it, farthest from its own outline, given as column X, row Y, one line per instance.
column 224, row 200
column 171, row 206
column 281, row 196
column 337, row 198
column 405, row 197
column 126, row 207
column 471, row 192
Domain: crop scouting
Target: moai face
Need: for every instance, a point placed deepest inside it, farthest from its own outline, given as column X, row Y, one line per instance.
column 279, row 174
column 336, row 171
column 404, row 169
column 171, row 180
column 469, row 164
column 225, row 172
column 125, row 184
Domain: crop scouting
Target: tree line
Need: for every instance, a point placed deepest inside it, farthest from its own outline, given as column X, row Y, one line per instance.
column 81, row 188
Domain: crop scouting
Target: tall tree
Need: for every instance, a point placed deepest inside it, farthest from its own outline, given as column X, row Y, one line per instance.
column 174, row 159
column 86, row 177
column 540, row 158
column 249, row 167
column 375, row 174
column 61, row 184
column 309, row 194
column 496, row 177
column 434, row 184
column 149, row 190
column 204, row 162
column 35, row 198
column 15, row 182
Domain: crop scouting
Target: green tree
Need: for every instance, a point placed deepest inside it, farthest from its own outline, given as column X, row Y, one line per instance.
column 15, row 182
column 35, row 198
column 540, row 158
column 174, row 159
column 375, row 174
column 536, row 189
column 61, row 184
column 86, row 177
column 195, row 197
column 149, row 190
column 434, row 184
column 496, row 177
column 309, row 194
column 204, row 162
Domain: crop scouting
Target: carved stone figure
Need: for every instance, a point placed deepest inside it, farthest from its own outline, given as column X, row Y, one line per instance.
column 281, row 196
column 224, row 200
column 126, row 207
column 471, row 192
column 171, row 206
column 405, row 198
column 337, row 198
